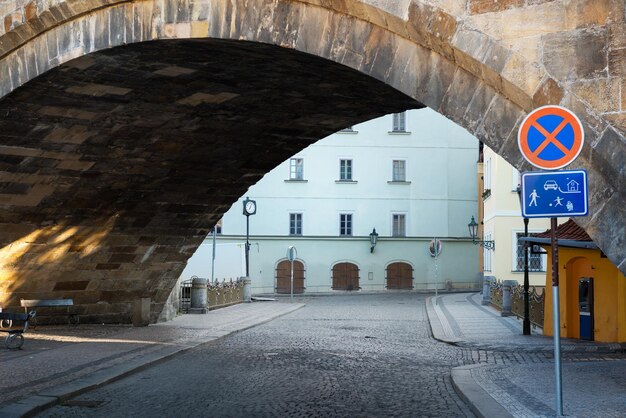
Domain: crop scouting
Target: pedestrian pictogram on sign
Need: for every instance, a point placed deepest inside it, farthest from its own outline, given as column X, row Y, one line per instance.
column 550, row 137
column 554, row 194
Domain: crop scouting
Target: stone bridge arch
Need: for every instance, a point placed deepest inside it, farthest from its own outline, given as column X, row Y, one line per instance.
column 459, row 58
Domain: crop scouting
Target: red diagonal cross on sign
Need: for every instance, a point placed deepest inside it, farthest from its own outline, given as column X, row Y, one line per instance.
column 550, row 137
column 569, row 149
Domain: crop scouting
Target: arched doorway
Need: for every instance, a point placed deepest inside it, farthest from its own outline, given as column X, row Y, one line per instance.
column 283, row 277
column 345, row 276
column 576, row 269
column 399, row 276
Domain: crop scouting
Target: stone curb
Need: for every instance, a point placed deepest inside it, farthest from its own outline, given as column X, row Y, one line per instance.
column 437, row 325
column 478, row 399
column 47, row 398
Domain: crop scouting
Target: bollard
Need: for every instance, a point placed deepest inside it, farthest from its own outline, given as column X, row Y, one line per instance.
column 247, row 289
column 487, row 280
column 507, row 294
column 141, row 312
column 199, row 296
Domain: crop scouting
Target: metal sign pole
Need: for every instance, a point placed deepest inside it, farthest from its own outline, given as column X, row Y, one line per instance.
column 526, row 322
column 557, row 318
column 435, row 250
column 291, row 281
column 292, row 253
column 247, row 246
column 213, row 257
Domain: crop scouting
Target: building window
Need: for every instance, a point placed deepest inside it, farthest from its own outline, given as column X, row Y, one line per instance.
column 345, row 224
column 295, row 224
column 516, row 179
column 399, row 170
column 217, row 228
column 535, row 261
column 487, row 255
column 348, row 129
column 487, row 175
column 296, row 169
column 399, row 122
column 345, row 170
column 398, row 225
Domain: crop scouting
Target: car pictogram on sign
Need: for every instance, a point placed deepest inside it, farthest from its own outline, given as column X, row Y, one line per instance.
column 550, row 184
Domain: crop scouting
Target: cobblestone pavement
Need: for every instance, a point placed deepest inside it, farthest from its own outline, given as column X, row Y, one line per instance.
column 518, row 371
column 353, row 355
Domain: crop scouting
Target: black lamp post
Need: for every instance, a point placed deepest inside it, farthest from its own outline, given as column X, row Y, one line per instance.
column 526, row 322
column 249, row 208
column 473, row 228
column 373, row 239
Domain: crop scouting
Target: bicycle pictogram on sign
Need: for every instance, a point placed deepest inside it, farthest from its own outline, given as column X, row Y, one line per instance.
column 550, row 137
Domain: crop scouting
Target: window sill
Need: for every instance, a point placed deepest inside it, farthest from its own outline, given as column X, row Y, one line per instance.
column 295, row 181
column 347, row 132
column 399, row 132
column 346, row 181
column 399, row 182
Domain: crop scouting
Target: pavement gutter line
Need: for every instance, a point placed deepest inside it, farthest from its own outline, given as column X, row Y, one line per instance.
column 31, row 405
column 477, row 398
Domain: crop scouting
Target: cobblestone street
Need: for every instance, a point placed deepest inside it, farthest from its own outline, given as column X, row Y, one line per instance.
column 354, row 355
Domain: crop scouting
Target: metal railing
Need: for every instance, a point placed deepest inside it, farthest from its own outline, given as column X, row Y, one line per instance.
column 219, row 294
column 536, row 300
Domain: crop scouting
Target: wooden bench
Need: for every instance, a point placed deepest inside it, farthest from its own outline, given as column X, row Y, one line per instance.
column 15, row 339
column 54, row 304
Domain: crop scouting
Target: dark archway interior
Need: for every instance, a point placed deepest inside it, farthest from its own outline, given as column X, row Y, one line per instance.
column 114, row 166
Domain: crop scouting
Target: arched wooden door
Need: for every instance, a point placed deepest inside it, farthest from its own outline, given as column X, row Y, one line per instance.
column 283, row 277
column 345, row 276
column 399, row 276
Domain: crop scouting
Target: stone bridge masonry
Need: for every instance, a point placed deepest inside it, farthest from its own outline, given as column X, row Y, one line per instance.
column 128, row 127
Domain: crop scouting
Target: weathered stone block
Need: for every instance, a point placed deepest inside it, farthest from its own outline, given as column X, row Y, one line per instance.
column 434, row 76
column 548, row 92
column 459, row 95
column 574, row 55
column 600, row 93
column 611, row 151
column 490, row 6
column 521, row 79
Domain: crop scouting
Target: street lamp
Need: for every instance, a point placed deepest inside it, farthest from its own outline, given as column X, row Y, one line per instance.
column 473, row 226
column 249, row 208
column 373, row 239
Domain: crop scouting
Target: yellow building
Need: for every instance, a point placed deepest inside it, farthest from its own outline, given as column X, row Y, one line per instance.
column 503, row 223
column 592, row 290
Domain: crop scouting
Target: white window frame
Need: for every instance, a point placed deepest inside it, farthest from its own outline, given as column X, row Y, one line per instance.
column 295, row 223
column 343, row 171
column 516, row 179
column 296, row 168
column 393, row 224
column 487, row 174
column 544, row 258
column 350, row 221
column 399, row 170
column 487, row 255
column 398, row 122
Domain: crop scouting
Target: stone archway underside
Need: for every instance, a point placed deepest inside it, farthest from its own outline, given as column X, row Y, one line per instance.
column 484, row 65
column 117, row 164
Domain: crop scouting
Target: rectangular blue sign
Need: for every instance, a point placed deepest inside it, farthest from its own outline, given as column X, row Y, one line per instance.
column 553, row 194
